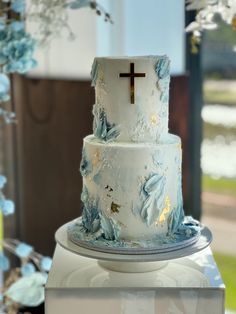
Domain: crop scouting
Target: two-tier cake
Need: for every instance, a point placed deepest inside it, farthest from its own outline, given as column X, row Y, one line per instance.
column 131, row 165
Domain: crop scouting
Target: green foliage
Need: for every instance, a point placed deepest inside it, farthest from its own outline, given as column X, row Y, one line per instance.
column 227, row 267
column 226, row 97
column 211, row 131
column 224, row 34
column 222, row 185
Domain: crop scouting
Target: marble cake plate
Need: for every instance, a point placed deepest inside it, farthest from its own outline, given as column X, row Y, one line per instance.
column 132, row 260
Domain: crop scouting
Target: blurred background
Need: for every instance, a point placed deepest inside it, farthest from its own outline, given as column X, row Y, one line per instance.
column 218, row 150
column 54, row 102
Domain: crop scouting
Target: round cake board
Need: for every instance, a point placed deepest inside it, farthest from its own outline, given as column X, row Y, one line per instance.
column 133, row 262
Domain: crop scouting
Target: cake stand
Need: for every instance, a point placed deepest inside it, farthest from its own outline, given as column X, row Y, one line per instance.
column 142, row 262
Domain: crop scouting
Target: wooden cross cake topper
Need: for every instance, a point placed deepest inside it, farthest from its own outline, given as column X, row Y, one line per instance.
column 132, row 76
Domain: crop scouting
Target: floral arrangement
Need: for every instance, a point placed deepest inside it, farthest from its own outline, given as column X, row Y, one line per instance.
column 23, row 286
column 207, row 10
column 17, row 46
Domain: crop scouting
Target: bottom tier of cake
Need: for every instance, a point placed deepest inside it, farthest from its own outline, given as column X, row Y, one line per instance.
column 132, row 190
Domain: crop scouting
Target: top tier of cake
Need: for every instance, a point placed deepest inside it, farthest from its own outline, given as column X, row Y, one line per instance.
column 132, row 96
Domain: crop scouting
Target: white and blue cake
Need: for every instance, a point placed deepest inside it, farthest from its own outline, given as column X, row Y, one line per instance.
column 131, row 165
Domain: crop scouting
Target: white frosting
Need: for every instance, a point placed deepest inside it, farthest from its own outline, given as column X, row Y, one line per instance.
column 116, row 174
column 131, row 166
column 147, row 119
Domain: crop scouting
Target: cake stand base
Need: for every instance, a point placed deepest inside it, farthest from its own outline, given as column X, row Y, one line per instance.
column 133, row 262
column 190, row 285
column 132, row 267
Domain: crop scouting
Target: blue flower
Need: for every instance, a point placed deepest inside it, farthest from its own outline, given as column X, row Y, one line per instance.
column 17, row 26
column 21, row 66
column 46, row 263
column 4, row 87
column 23, row 250
column 28, row 269
column 4, row 34
column 19, row 54
column 7, row 207
column 8, row 116
column 16, row 49
column 3, row 181
column 4, row 262
column 2, row 23
column 28, row 291
column 18, row 6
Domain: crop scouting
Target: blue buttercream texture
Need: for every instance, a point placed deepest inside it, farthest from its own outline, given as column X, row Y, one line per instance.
column 94, row 73
column 90, row 216
column 154, row 192
column 110, row 228
column 176, row 216
column 77, row 4
column 102, row 129
column 163, row 68
column 85, row 165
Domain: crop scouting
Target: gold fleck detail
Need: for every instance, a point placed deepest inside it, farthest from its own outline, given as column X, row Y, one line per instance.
column 166, row 210
column 115, row 207
column 96, row 158
column 233, row 23
column 153, row 119
column 179, row 146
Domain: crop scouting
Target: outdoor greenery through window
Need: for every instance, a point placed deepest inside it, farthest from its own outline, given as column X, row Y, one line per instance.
column 219, row 149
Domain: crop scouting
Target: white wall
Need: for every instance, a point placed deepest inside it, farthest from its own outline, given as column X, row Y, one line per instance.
column 140, row 28
column 144, row 28
column 70, row 59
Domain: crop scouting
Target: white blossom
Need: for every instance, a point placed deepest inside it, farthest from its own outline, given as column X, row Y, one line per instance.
column 207, row 10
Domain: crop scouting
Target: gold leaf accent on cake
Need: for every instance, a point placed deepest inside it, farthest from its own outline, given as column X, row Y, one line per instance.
column 166, row 210
column 115, row 207
column 96, row 158
column 179, row 146
column 153, row 119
